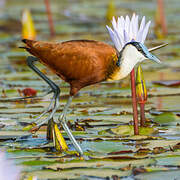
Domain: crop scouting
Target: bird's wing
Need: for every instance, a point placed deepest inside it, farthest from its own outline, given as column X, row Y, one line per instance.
column 80, row 60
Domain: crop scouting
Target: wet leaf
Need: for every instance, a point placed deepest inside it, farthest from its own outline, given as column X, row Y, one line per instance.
column 177, row 146
column 158, row 150
column 129, row 130
column 143, row 151
column 77, row 173
column 174, row 174
column 37, row 163
column 165, row 118
column 29, row 127
column 120, row 152
column 100, row 163
column 5, row 135
column 168, row 83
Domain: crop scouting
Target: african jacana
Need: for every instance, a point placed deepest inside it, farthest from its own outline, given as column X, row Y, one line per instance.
column 82, row 63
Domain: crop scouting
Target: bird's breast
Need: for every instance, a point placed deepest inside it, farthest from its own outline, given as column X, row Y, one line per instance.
column 116, row 75
column 113, row 71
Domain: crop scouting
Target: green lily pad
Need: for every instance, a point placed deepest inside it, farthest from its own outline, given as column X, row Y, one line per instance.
column 165, row 175
column 128, row 130
column 78, row 173
column 13, row 134
column 100, row 163
column 165, row 118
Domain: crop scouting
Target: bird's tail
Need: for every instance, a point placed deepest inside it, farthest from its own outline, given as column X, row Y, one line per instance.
column 40, row 49
column 30, row 44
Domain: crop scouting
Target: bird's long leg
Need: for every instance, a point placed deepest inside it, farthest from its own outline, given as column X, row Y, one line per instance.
column 62, row 120
column 51, row 105
column 56, row 105
column 56, row 90
column 54, row 87
column 46, row 110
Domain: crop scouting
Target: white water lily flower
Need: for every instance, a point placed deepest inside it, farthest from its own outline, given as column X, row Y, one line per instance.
column 8, row 171
column 126, row 30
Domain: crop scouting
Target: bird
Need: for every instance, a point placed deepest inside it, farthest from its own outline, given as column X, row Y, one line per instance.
column 82, row 63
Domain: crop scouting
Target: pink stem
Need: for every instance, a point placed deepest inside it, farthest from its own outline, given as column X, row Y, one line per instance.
column 142, row 112
column 134, row 103
column 162, row 16
column 50, row 19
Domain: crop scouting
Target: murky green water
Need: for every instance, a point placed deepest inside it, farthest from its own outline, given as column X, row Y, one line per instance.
column 97, row 108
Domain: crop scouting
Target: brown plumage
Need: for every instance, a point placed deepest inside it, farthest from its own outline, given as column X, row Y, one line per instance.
column 78, row 62
column 81, row 63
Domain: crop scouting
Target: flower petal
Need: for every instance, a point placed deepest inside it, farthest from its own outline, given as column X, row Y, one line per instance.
column 145, row 31
column 126, row 37
column 114, row 23
column 120, row 26
column 135, row 27
column 114, row 38
column 131, row 27
column 127, row 24
column 125, row 30
column 119, row 38
column 142, row 25
column 141, row 28
column 122, row 22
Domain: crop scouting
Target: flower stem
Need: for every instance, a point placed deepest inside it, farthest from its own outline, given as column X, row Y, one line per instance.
column 142, row 113
column 50, row 19
column 160, row 4
column 134, row 103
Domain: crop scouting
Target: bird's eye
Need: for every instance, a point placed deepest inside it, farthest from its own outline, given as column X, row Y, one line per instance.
column 138, row 48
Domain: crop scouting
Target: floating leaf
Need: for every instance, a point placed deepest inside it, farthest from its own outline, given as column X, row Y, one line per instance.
column 6, row 135
column 162, row 173
column 129, row 130
column 29, row 127
column 165, row 118
column 167, row 83
column 103, row 163
column 158, row 150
